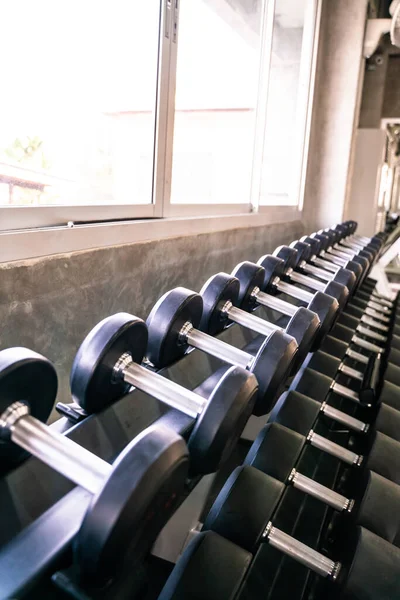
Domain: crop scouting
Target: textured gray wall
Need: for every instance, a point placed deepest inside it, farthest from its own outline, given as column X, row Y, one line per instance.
column 50, row 304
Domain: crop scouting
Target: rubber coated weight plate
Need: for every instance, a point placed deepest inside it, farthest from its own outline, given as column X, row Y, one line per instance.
column 355, row 268
column 289, row 255
column 244, row 507
column 275, row 451
column 388, row 421
column 272, row 365
column 327, row 309
column 296, row 412
column 304, row 327
column 169, row 315
column 338, row 291
column 378, row 507
column 304, row 249
column 384, row 456
column 137, row 500
column 211, row 568
column 369, row 556
column 250, row 276
column 221, row 423
column 27, row 377
column 346, row 278
column 273, row 267
column 313, row 384
column 216, row 292
column 93, row 384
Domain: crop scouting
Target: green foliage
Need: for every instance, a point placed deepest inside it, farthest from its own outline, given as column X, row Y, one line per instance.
column 28, row 151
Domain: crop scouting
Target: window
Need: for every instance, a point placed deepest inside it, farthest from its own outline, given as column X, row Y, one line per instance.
column 215, row 101
column 290, row 70
column 123, row 109
column 77, row 124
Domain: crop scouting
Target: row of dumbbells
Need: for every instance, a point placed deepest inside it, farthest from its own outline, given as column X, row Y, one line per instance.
column 337, row 388
column 134, row 498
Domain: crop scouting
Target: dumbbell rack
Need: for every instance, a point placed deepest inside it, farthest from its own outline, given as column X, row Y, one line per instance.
column 39, row 524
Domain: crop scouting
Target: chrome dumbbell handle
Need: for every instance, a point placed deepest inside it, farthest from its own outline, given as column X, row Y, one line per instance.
column 215, row 347
column 320, row 492
column 301, row 553
column 347, row 456
column 275, row 303
column 249, row 320
column 55, row 450
column 344, row 419
column 165, row 390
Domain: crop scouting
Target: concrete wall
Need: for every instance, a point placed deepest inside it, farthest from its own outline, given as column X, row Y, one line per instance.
column 335, row 110
column 369, row 156
column 50, row 304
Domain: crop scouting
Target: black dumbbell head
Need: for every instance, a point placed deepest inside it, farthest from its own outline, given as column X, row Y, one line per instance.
column 276, row 451
column 27, row 377
column 172, row 311
column 372, row 567
column 327, row 309
column 315, row 243
column 313, row 384
column 250, row 276
column 244, row 507
column 93, row 379
column 355, row 268
column 291, row 256
column 304, row 326
column 272, row 366
column 216, row 292
column 304, row 249
column 136, row 501
column 346, row 278
column 273, row 267
column 221, row 423
column 338, row 291
column 224, row 563
column 296, row 411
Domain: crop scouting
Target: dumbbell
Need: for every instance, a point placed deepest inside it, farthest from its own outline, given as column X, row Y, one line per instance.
column 312, row 381
column 354, row 338
column 173, row 326
column 361, row 299
column 308, row 250
column 277, row 452
column 294, row 264
column 352, row 308
column 330, row 262
column 211, row 567
column 244, row 514
column 333, row 288
column 381, row 451
column 108, row 363
column 221, row 304
column 337, row 248
column 305, row 264
column 349, row 239
column 323, row 305
column 132, row 499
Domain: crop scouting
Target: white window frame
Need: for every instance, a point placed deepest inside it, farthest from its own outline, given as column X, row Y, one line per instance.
column 24, row 217
column 176, row 218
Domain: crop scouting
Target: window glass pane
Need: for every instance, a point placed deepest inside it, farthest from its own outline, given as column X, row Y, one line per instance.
column 286, row 114
column 77, row 109
column 216, row 94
